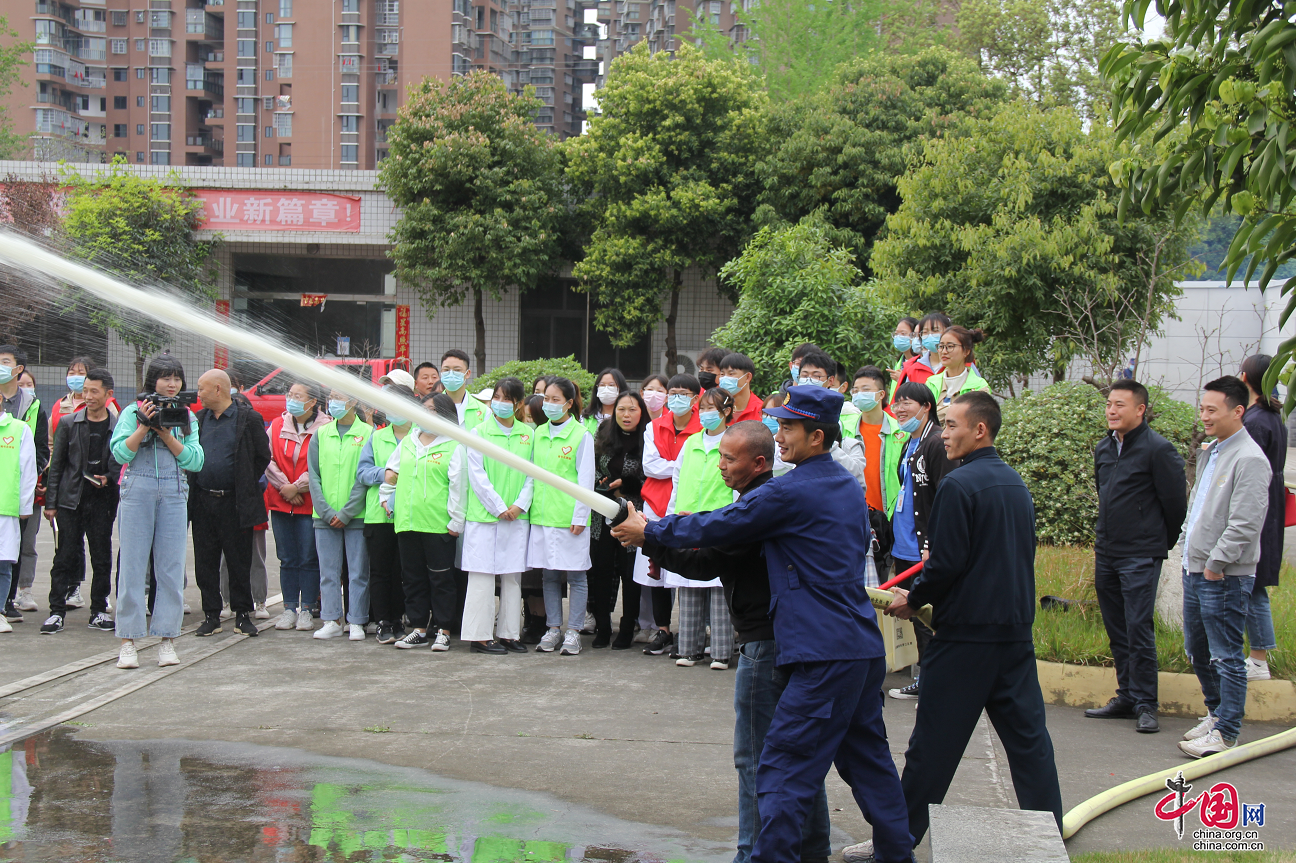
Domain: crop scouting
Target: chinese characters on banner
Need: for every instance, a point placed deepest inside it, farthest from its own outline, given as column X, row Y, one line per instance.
column 402, row 332
column 279, row 211
column 222, row 351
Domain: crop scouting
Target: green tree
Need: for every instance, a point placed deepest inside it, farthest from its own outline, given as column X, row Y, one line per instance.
column 1012, row 227
column 842, row 150
column 796, row 286
column 1219, row 89
column 666, row 175
column 145, row 229
column 12, row 62
column 480, row 190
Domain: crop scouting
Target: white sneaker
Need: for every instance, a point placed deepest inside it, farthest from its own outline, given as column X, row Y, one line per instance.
column 128, row 657
column 73, row 601
column 226, row 613
column 287, row 620
column 1202, row 728
column 330, row 629
column 1207, row 744
column 590, row 624
column 1256, row 669
column 5, row 626
column 355, row 632
column 259, row 612
column 305, row 623
column 571, row 643
column 187, row 609
column 167, row 653
column 861, row 853
column 441, row 643
column 643, row 636
column 25, row 601
column 108, row 606
column 550, row 640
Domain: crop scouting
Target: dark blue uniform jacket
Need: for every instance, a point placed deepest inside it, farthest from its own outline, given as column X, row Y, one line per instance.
column 813, row 522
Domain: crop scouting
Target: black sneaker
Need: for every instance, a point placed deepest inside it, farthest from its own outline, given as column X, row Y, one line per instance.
column 386, row 633
column 103, row 622
column 413, row 639
column 52, row 624
column 908, row 693
column 660, row 643
column 243, row 623
column 210, row 626
column 11, row 612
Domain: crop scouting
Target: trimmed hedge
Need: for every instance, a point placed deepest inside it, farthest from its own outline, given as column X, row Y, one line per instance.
column 528, row 370
column 1049, row 437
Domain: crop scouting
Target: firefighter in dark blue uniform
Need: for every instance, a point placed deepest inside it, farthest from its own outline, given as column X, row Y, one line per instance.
column 825, row 631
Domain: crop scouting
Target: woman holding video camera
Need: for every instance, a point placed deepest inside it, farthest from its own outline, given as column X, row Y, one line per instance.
column 153, row 514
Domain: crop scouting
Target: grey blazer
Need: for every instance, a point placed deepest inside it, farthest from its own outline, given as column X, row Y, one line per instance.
column 1226, row 538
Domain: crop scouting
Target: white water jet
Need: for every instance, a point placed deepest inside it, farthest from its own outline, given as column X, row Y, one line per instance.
column 27, row 255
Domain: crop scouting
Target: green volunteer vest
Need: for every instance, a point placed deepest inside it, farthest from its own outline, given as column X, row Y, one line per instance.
column 557, row 454
column 10, row 465
column 474, row 413
column 32, row 413
column 423, row 489
column 701, row 488
column 893, row 442
column 338, row 459
column 972, row 382
column 384, row 444
column 506, row 481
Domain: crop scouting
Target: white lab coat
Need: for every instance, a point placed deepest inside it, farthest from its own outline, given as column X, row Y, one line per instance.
column 556, row 547
column 671, row 579
column 498, row 547
column 11, row 527
column 657, row 467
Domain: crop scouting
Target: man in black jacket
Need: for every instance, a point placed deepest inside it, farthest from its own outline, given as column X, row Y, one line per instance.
column 81, row 498
column 980, row 581
column 746, row 463
column 1142, row 501
column 226, row 501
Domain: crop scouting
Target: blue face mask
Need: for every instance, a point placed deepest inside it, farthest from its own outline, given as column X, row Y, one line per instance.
column 915, row 345
column 930, row 342
column 901, row 343
column 910, row 425
column 395, row 420
column 795, row 370
column 865, row 401
column 337, row 409
column 811, row 382
column 453, row 381
column 553, row 411
column 679, row 404
column 6, row 374
column 770, row 423
column 503, row 410
column 730, row 384
column 296, row 407
column 76, row 383
column 710, row 420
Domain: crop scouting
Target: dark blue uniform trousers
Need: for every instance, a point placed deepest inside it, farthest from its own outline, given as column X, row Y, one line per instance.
column 959, row 679
column 830, row 713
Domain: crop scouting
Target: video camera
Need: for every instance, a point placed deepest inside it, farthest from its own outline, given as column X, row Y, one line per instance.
column 169, row 411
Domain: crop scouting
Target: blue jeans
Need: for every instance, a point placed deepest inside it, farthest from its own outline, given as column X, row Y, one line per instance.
column 152, row 520
column 299, row 573
column 1259, row 625
column 1215, row 614
column 6, row 571
column 577, row 595
column 757, row 688
column 331, row 543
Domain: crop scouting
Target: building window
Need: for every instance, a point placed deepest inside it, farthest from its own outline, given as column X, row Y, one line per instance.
column 247, row 20
column 350, row 93
column 119, row 103
column 160, row 132
column 245, row 77
column 141, row 44
column 269, row 17
column 247, row 47
column 161, row 20
column 139, row 155
column 350, row 5
column 350, row 153
column 269, row 131
column 269, row 47
column 160, row 104
column 160, row 75
column 139, row 101
column 632, row 12
column 139, row 128
column 119, row 19
column 283, row 125
column 160, row 157
column 269, row 75
column 246, row 132
column 245, row 106
column 118, row 46
column 285, row 8
column 269, row 160
column 283, row 32
column 542, row 37
column 246, row 160
column 119, row 74
column 350, row 33
column 350, row 123
column 139, row 16
column 159, row 47
column 119, row 130
column 285, row 161
column 349, row 63
column 283, row 65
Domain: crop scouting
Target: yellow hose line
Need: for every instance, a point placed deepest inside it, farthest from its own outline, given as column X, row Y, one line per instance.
column 881, row 600
column 1154, row 782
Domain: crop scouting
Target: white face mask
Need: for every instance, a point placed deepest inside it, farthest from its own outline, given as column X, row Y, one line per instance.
column 607, row 395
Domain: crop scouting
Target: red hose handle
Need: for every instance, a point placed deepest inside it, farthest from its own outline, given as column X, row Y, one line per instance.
column 913, row 570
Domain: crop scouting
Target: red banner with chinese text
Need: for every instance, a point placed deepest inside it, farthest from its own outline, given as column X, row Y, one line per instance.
column 222, row 351
column 403, row 332
column 257, row 210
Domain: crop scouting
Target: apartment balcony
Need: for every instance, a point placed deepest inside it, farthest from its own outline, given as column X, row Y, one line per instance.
column 217, row 57
column 206, row 85
column 202, row 26
column 387, row 19
column 204, row 144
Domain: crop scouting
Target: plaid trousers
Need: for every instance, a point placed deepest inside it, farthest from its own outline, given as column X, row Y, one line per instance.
column 696, row 606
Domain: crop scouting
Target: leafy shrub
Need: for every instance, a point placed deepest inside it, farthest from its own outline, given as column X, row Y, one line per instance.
column 1049, row 436
column 528, row 370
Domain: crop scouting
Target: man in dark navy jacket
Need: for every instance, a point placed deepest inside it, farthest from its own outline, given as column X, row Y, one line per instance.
column 825, row 632
column 980, row 581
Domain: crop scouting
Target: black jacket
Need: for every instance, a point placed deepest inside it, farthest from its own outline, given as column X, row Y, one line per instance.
column 980, row 577
column 1142, row 495
column 68, row 461
column 250, row 461
column 929, row 465
column 741, row 570
column 1267, row 430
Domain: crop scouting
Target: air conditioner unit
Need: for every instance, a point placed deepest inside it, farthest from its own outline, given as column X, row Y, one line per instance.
column 684, row 364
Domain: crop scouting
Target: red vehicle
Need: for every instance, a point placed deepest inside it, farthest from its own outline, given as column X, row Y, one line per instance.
column 269, row 393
